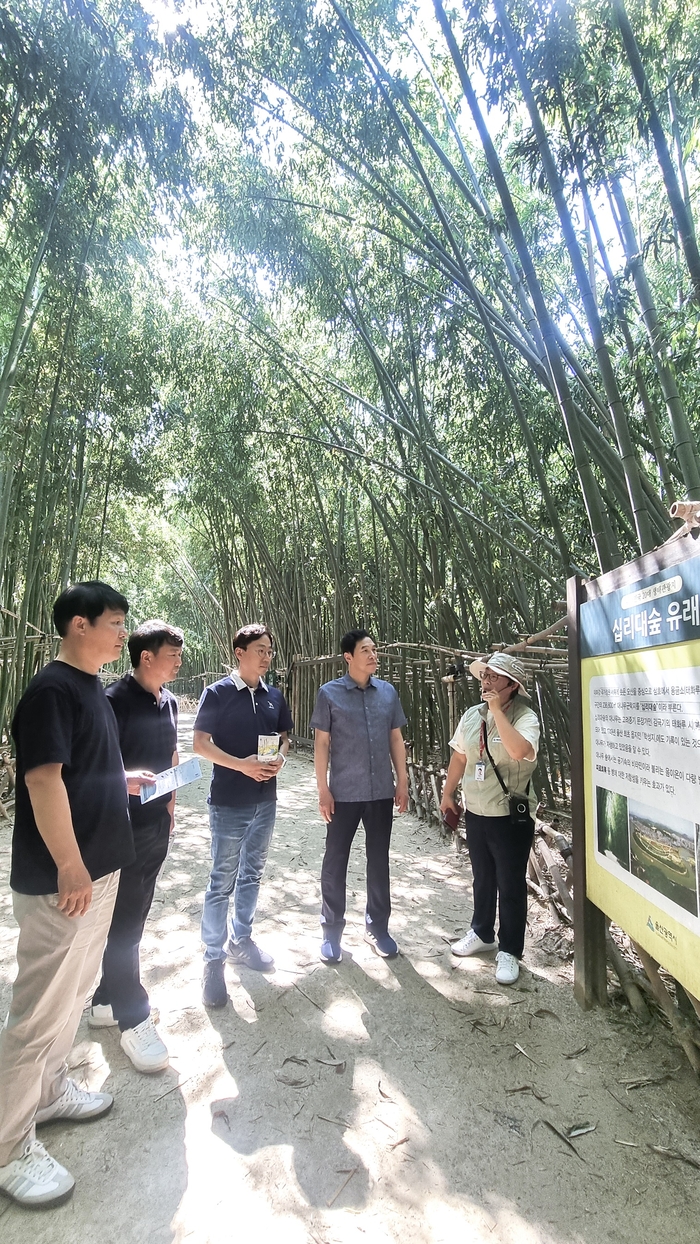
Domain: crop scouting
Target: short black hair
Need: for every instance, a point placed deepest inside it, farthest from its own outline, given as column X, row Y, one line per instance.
column 86, row 600
column 151, row 636
column 247, row 634
column 350, row 641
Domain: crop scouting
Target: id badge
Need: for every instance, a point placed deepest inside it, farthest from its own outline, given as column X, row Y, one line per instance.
column 479, row 771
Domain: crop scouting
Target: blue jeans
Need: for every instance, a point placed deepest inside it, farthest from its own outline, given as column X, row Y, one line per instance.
column 240, row 841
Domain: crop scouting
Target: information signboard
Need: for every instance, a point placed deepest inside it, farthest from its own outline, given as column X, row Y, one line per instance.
column 639, row 647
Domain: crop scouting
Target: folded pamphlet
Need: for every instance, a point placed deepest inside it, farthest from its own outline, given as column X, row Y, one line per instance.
column 170, row 779
column 268, row 747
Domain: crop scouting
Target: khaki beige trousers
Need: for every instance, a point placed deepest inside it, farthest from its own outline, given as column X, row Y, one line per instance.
column 57, row 959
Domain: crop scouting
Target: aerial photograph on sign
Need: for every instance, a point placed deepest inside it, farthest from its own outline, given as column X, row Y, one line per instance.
column 663, row 853
column 613, row 826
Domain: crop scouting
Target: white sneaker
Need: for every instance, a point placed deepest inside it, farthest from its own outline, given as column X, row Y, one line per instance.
column 75, row 1104
column 507, row 968
column 101, row 1017
column 144, row 1047
column 471, row 944
column 35, row 1178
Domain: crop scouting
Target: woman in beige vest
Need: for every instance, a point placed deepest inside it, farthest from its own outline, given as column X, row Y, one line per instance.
column 494, row 753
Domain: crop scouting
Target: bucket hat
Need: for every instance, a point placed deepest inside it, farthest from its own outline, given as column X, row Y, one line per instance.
column 502, row 663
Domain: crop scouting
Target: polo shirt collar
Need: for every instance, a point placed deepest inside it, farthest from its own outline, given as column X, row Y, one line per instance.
column 135, row 686
column 349, row 682
column 240, row 684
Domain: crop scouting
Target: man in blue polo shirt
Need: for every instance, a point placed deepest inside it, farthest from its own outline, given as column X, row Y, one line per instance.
column 357, row 723
column 232, row 714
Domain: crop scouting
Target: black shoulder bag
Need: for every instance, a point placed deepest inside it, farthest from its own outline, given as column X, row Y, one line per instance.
column 518, row 805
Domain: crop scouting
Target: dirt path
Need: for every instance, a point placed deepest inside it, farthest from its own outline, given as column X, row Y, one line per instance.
column 412, row 1102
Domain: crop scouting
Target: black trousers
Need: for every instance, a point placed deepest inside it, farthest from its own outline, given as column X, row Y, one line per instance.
column 120, row 985
column 498, row 853
column 377, row 817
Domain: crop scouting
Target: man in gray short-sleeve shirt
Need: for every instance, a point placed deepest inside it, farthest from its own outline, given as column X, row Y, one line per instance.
column 357, row 722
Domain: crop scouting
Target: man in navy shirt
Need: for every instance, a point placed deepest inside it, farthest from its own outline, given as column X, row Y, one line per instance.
column 232, row 714
column 357, row 725
column 146, row 714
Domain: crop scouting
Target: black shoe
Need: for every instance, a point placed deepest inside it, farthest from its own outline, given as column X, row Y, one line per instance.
column 382, row 943
column 214, row 992
column 246, row 954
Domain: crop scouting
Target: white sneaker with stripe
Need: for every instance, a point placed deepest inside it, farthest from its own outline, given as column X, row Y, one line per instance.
column 35, row 1179
column 76, row 1104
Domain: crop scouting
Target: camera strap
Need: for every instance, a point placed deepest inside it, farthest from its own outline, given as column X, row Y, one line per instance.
column 485, row 748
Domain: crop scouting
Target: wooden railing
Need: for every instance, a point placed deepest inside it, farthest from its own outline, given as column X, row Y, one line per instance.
column 432, row 682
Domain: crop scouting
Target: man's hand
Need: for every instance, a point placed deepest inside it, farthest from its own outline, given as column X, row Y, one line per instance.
column 74, row 889
column 401, row 797
column 493, row 699
column 326, row 804
column 136, row 778
column 449, row 801
column 259, row 770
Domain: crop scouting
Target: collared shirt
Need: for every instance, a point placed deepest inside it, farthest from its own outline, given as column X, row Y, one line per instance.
column 359, row 721
column 234, row 714
column 487, row 798
column 147, row 737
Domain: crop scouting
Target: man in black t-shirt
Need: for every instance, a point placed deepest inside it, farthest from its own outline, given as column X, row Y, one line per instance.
column 71, row 836
column 232, row 715
column 146, row 714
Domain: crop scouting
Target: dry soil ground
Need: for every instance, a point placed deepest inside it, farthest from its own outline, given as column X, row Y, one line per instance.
column 412, row 1101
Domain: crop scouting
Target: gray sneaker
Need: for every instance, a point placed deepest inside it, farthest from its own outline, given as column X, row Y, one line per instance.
column 35, row 1179
column 75, row 1104
column 246, row 954
column 214, row 993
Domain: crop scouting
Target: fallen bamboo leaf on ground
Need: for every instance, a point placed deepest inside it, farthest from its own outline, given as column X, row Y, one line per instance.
column 561, row 1135
column 525, row 1054
column 221, row 1114
column 342, row 1187
column 544, row 1011
column 642, row 1081
column 173, row 1087
column 254, row 1051
column 629, row 1144
column 383, row 1094
column 403, row 1141
column 582, row 1130
column 309, row 999
column 338, row 1063
column 675, row 1154
column 576, row 1053
column 338, row 1122
column 291, row 1082
column 528, row 1088
column 624, row 1104
column 293, row 1058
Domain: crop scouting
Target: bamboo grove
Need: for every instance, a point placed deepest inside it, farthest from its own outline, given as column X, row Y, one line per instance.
column 335, row 314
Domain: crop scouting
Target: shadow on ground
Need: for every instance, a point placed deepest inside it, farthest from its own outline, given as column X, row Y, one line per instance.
column 411, row 1101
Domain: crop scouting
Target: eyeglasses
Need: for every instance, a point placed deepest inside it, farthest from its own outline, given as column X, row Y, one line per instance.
column 265, row 652
column 490, row 676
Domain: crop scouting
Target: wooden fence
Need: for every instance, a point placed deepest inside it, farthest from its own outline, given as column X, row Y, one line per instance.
column 433, row 684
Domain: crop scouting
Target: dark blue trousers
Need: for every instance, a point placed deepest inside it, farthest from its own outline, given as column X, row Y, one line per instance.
column 120, row 985
column 377, row 817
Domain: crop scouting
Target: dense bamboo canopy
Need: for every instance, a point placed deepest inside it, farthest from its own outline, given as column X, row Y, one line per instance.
column 379, row 314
